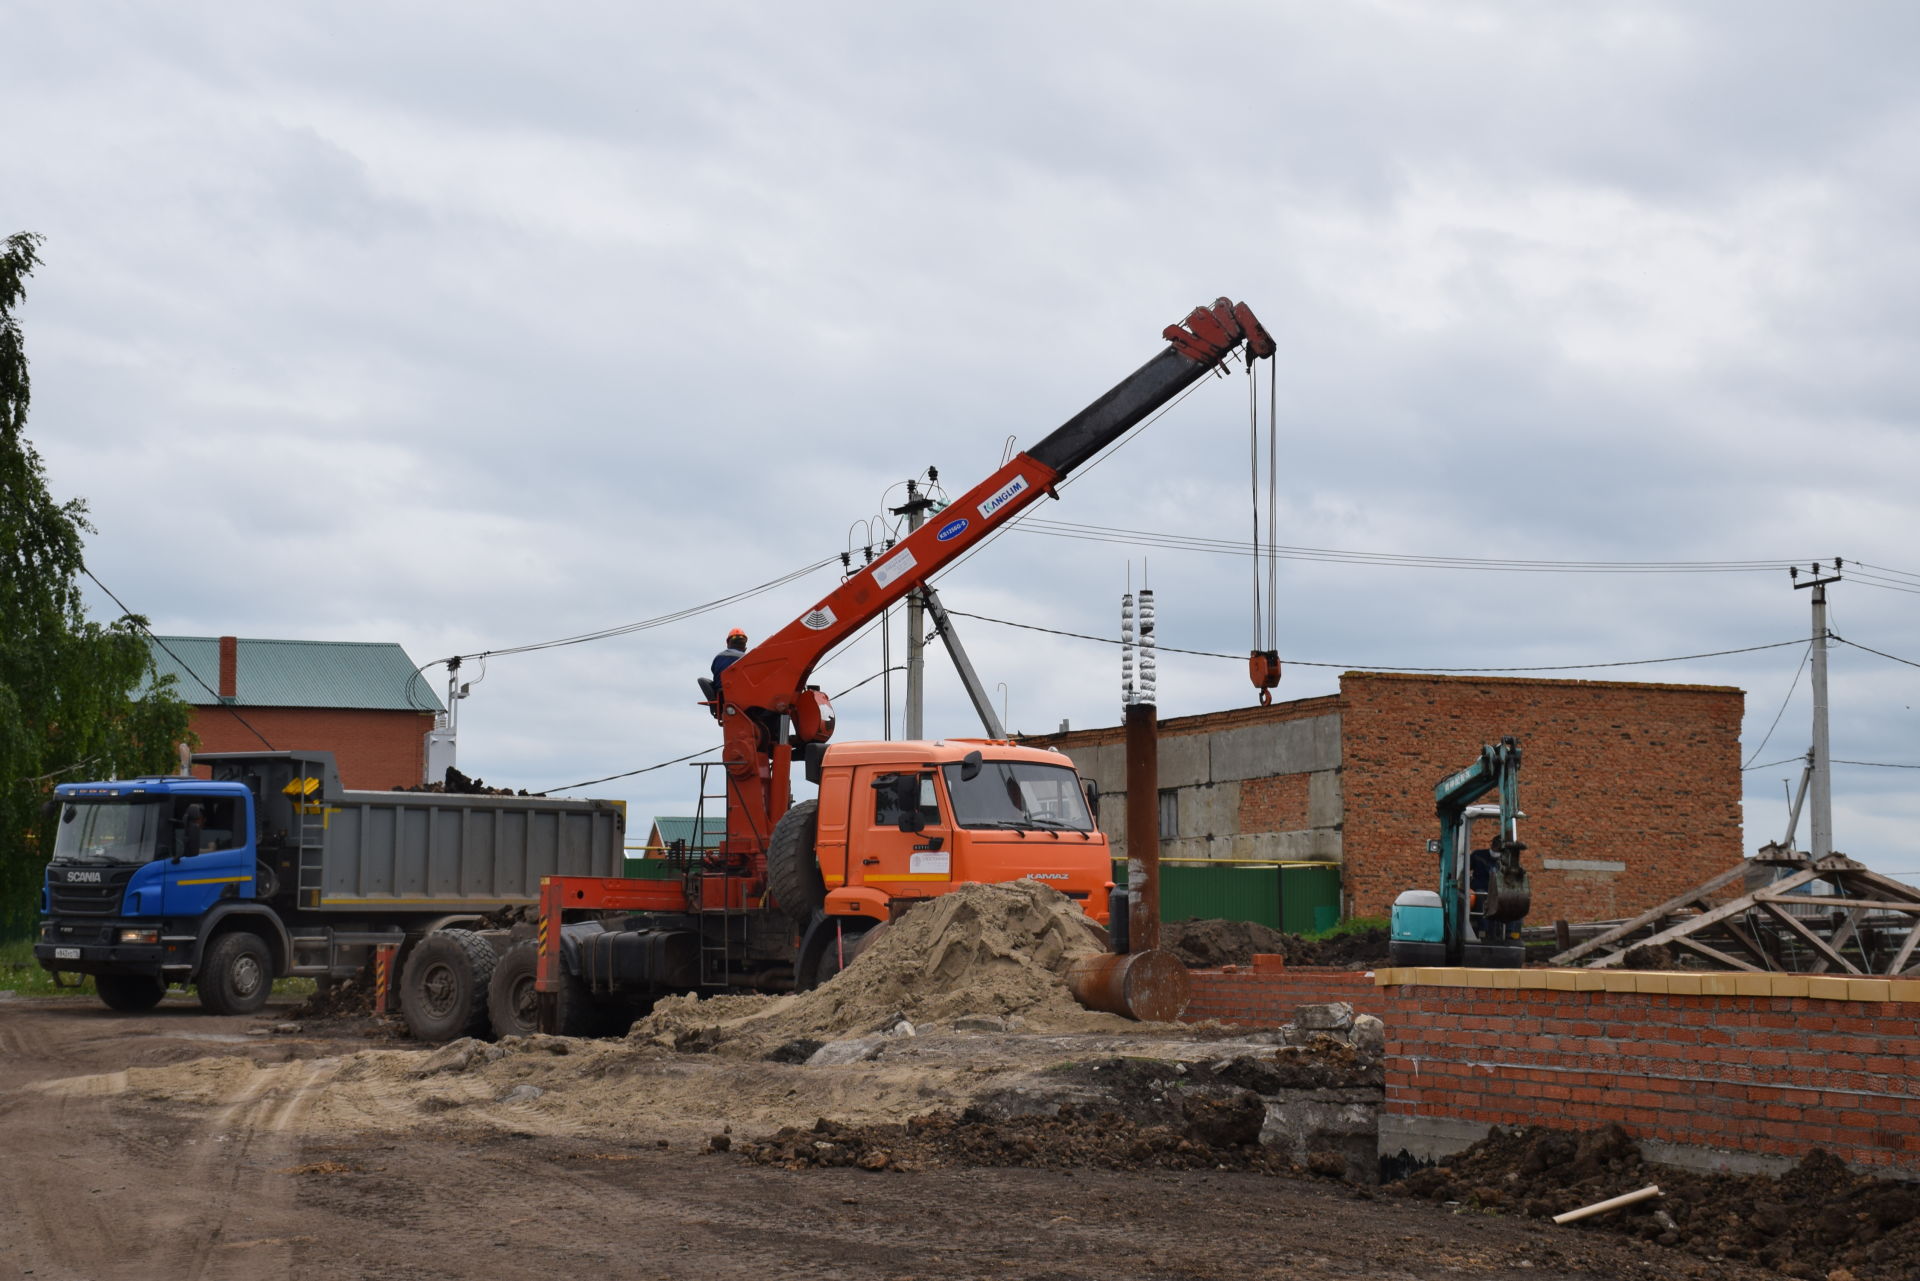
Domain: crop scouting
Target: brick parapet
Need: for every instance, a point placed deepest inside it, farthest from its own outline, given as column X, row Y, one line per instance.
column 1772, row 1075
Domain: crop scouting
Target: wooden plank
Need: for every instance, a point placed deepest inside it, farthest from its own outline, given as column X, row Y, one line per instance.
column 1813, row 940
column 1739, row 932
column 1845, row 904
column 1716, row 955
column 1886, row 885
column 1721, row 913
column 1906, row 950
column 1695, row 895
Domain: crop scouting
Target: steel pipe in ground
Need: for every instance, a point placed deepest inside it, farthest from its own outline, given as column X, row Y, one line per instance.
column 1151, row 986
column 1143, row 826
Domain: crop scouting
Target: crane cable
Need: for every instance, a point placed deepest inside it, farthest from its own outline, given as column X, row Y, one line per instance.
column 1264, row 662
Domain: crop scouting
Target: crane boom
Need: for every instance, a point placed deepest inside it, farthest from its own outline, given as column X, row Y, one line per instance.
column 768, row 709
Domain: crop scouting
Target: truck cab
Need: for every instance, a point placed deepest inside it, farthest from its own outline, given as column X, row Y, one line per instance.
column 900, row 821
column 139, row 867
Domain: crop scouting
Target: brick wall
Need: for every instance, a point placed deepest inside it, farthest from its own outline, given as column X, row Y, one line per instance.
column 376, row 750
column 1613, row 773
column 1772, row 1076
column 1769, row 1075
column 1277, row 804
column 1268, row 998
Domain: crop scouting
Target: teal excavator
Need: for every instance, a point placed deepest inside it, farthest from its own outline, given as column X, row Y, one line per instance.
column 1474, row 918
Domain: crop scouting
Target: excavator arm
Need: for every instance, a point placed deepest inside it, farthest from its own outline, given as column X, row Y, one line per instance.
column 768, row 708
column 1507, row 896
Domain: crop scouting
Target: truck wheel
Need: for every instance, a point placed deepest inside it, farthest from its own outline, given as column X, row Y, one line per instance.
column 236, row 974
column 831, row 945
column 793, row 873
column 510, row 995
column 443, row 987
column 511, row 999
column 129, row 993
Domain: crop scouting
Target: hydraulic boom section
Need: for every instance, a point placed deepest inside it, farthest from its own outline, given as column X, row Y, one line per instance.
column 768, row 710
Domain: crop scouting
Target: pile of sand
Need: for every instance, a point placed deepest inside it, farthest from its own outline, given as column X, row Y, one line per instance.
column 992, row 950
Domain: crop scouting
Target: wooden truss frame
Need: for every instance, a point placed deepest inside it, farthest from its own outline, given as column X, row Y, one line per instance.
column 1770, row 928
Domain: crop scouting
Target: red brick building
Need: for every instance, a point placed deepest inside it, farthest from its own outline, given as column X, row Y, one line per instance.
column 1631, row 790
column 363, row 701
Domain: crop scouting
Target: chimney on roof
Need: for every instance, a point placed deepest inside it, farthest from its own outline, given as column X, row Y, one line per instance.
column 229, row 668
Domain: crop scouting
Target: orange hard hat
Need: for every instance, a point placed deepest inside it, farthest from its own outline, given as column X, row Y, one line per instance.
column 736, row 632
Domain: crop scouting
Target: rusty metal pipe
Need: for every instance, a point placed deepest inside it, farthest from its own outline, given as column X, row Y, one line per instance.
column 1151, row 986
column 1143, row 827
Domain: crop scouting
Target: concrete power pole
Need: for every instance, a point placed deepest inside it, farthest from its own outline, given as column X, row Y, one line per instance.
column 1821, row 791
column 915, row 510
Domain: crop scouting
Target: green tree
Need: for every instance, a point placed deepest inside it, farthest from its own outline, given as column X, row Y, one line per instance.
column 78, row 699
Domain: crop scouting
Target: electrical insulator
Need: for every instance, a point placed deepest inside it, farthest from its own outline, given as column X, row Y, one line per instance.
column 1149, row 665
column 1126, row 650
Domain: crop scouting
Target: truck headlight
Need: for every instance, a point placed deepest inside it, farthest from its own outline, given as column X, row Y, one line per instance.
column 139, row 936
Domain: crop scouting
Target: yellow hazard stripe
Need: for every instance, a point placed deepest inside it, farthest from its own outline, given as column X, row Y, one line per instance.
column 215, row 880
column 911, row 876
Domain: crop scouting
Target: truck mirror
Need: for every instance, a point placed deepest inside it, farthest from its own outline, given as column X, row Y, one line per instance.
column 970, row 767
column 1093, row 796
column 906, row 799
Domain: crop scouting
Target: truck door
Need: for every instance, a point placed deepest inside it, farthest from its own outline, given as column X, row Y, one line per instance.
column 208, row 848
column 903, row 864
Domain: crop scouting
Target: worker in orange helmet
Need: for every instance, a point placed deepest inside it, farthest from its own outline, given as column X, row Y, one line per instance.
column 736, row 646
column 710, row 686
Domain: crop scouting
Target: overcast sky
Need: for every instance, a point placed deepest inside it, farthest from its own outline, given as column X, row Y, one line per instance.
column 468, row 326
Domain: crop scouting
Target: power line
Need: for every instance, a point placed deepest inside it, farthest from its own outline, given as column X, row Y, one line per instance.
column 625, row 629
column 1884, row 584
column 217, row 699
column 1231, row 547
column 1857, row 645
column 1902, row 573
column 1384, row 667
column 648, row 769
column 1875, row 764
column 1783, row 706
column 645, row 769
column 1745, row 769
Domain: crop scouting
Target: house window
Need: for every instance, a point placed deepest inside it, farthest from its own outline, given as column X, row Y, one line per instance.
column 1169, row 813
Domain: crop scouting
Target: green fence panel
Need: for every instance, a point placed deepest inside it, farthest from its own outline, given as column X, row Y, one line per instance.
column 1297, row 898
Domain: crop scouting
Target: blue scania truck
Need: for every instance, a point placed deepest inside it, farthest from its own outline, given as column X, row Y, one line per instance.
column 270, row 868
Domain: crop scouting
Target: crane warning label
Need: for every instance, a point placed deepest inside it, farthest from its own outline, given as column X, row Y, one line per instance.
column 819, row 620
column 888, row 570
column 1008, row 492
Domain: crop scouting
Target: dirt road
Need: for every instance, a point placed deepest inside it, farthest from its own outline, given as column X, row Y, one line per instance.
column 104, row 1178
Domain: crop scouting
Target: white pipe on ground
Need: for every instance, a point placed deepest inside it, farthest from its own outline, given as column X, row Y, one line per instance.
column 1614, row 1203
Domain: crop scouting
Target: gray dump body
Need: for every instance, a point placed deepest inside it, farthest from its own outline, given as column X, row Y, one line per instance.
column 413, row 852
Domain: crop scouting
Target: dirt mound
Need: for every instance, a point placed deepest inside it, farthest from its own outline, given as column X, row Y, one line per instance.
column 460, row 784
column 992, row 950
column 1208, row 944
column 1220, row 1135
column 348, row 998
column 1815, row 1220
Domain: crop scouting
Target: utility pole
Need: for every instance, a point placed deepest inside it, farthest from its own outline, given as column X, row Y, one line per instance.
column 915, row 509
column 1821, row 819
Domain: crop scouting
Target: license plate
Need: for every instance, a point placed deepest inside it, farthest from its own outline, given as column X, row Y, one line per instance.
column 66, row 953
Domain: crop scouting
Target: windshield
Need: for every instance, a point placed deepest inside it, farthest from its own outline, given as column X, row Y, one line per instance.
column 107, row 832
column 1019, row 794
